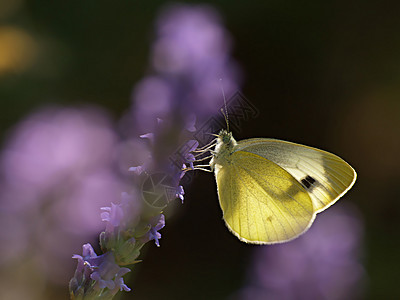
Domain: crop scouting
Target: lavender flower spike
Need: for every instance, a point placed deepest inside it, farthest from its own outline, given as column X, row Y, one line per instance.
column 156, row 224
column 97, row 277
column 190, row 53
column 113, row 216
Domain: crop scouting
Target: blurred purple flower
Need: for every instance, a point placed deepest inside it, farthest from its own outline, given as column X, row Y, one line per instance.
column 188, row 155
column 119, row 215
column 56, row 172
column 137, row 170
column 55, row 142
column 190, row 54
column 149, row 136
column 324, row 263
column 190, row 123
column 112, row 216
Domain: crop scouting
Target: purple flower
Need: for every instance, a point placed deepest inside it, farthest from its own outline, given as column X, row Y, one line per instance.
column 190, row 54
column 56, row 171
column 193, row 45
column 324, row 263
column 190, row 123
column 188, row 156
column 153, row 99
column 113, row 216
column 101, row 269
column 149, row 136
column 54, row 142
column 181, row 158
column 119, row 281
column 105, row 271
column 88, row 252
column 156, row 223
column 83, row 269
column 120, row 215
column 180, row 192
column 138, row 170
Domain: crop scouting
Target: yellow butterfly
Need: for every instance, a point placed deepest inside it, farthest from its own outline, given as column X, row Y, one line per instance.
column 271, row 190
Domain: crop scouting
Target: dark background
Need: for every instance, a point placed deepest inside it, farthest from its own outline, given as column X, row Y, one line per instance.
column 321, row 73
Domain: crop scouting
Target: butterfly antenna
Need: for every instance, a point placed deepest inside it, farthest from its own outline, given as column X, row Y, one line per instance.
column 226, row 109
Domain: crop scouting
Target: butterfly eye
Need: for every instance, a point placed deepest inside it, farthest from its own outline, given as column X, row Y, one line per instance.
column 226, row 137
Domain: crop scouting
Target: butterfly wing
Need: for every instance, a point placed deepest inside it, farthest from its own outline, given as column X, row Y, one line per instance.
column 325, row 176
column 261, row 202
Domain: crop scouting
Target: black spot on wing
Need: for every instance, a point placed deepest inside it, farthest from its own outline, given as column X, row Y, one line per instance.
column 308, row 182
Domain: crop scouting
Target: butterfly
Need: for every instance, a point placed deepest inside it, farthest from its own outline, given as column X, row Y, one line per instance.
column 271, row 190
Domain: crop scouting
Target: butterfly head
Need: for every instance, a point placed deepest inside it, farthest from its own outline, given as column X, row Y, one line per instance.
column 225, row 141
column 223, row 149
column 226, row 138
